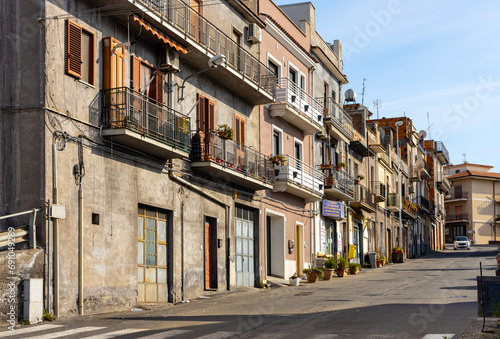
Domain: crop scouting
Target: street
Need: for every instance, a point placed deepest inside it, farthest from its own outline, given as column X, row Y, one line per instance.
column 430, row 297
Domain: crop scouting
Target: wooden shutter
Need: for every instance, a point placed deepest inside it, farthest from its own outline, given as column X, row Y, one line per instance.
column 113, row 64
column 73, row 49
column 159, row 81
column 201, row 112
column 211, row 115
column 135, row 73
column 239, row 124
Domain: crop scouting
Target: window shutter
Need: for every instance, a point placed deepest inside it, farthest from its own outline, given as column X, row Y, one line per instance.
column 211, row 114
column 201, row 112
column 73, row 49
column 242, row 132
column 239, row 124
column 237, row 130
column 160, row 81
column 135, row 74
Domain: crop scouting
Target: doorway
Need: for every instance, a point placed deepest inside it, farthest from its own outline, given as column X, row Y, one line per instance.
column 245, row 246
column 210, row 253
column 299, row 247
column 275, row 245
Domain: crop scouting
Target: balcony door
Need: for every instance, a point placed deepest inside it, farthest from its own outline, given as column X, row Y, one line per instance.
column 236, row 57
column 239, row 134
column 195, row 23
column 205, row 127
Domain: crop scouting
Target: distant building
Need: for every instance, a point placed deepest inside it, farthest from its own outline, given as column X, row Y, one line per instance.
column 473, row 204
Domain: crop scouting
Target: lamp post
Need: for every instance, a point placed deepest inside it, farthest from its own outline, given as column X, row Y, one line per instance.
column 399, row 123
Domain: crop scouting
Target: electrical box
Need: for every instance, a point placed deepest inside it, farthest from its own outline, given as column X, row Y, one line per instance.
column 33, row 300
column 58, row 211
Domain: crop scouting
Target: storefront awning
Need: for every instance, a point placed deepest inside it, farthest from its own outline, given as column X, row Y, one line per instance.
column 159, row 34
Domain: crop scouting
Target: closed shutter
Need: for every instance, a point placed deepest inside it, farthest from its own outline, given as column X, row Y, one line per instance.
column 201, row 112
column 239, row 124
column 135, row 74
column 159, row 81
column 211, row 115
column 73, row 49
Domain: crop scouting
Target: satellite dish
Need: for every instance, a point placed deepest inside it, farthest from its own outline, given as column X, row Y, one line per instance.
column 422, row 134
column 421, row 163
column 350, row 95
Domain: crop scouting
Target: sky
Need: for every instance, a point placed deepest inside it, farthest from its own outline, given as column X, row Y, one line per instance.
column 437, row 62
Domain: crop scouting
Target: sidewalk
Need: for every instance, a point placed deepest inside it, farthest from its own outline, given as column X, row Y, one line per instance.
column 491, row 330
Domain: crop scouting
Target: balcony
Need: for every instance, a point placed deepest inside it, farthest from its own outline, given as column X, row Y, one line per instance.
column 358, row 144
column 442, row 153
column 136, row 121
column 338, row 184
column 226, row 161
column 339, row 122
column 364, row 199
column 393, row 202
column 409, row 210
column 456, row 196
column 456, row 218
column 422, row 203
column 442, row 182
column 425, row 171
column 297, row 107
column 242, row 73
column 415, row 174
column 300, row 179
column 380, row 191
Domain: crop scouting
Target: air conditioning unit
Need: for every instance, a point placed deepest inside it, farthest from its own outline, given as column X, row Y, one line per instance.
column 411, row 189
column 169, row 59
column 254, row 34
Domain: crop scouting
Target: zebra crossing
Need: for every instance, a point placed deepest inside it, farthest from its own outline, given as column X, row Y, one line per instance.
column 49, row 331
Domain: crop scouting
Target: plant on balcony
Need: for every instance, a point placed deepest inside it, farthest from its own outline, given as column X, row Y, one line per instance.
column 325, row 166
column 339, row 166
column 330, row 181
column 225, row 132
column 277, row 159
column 358, row 179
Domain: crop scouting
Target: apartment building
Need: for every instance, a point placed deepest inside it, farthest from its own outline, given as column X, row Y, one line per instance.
column 112, row 111
column 472, row 203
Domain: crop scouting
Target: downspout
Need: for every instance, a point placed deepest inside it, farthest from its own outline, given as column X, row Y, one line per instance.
column 80, row 250
column 55, row 225
column 494, row 212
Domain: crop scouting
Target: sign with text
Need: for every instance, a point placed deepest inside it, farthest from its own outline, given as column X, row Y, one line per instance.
column 333, row 209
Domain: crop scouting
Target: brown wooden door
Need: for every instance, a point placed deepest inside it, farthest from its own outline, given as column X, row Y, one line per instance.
column 207, row 256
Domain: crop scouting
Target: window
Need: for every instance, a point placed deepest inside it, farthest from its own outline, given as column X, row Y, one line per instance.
column 236, row 58
column 239, row 130
column 277, row 137
column 298, row 150
column 303, row 82
column 80, row 52
column 334, row 96
column 274, row 68
column 292, row 75
column 206, row 114
column 147, row 80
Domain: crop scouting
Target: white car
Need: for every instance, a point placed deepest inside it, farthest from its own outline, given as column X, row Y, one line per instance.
column 461, row 242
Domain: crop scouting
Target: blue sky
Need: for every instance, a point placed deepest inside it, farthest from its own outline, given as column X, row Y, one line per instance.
column 419, row 57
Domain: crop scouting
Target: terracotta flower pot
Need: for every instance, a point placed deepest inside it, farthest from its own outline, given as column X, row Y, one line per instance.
column 341, row 272
column 312, row 277
column 328, row 273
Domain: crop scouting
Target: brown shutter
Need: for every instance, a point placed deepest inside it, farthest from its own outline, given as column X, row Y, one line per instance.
column 135, row 74
column 211, row 115
column 237, row 129
column 242, row 135
column 160, row 81
column 201, row 112
column 73, row 49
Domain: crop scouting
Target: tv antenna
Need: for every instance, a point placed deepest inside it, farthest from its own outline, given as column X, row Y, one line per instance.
column 429, row 126
column 464, row 158
column 363, row 93
column 377, row 104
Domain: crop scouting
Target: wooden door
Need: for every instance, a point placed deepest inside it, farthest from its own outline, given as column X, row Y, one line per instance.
column 207, row 256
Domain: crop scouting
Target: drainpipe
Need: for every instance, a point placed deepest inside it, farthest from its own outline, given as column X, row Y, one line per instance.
column 494, row 212
column 80, row 250
column 55, row 225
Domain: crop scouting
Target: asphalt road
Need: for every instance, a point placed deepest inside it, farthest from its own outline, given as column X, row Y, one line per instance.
column 431, row 297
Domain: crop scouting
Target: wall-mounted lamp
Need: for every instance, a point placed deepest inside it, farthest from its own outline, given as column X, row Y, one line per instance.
column 123, row 44
column 213, row 62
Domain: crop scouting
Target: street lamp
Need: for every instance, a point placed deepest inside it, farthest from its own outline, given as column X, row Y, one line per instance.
column 213, row 62
column 399, row 123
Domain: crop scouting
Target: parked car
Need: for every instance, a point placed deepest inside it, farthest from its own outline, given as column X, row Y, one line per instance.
column 461, row 242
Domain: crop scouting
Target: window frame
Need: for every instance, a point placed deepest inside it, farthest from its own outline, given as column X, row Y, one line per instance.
column 278, row 130
column 74, row 45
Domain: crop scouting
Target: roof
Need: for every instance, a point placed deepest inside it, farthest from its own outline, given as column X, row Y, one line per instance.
column 468, row 164
column 469, row 173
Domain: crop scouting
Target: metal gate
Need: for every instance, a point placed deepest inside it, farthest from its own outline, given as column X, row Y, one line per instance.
column 245, row 247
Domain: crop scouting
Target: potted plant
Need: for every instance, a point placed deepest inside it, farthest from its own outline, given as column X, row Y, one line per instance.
column 330, row 181
column 330, row 265
column 277, row 159
column 313, row 273
column 358, row 179
column 339, row 166
column 381, row 261
column 354, row 268
column 341, row 267
column 225, row 132
column 294, row 280
column 325, row 166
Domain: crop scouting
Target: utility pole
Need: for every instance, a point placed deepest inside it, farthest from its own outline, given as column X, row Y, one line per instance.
column 377, row 104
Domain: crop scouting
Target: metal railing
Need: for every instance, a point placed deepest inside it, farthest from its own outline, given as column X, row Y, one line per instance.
column 364, row 195
column 415, row 173
column 333, row 111
column 393, row 200
column 422, row 201
column 193, row 25
column 304, row 104
column 457, row 217
column 456, row 195
column 441, row 149
column 409, row 207
column 338, row 179
column 298, row 172
column 124, row 108
column 379, row 189
column 209, row 146
column 17, row 235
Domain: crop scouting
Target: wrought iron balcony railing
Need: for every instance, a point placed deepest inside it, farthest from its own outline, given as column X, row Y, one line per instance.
column 297, row 172
column 193, row 25
column 333, row 112
column 380, row 190
column 365, row 196
column 422, row 201
column 337, row 179
column 209, row 146
column 393, row 201
column 457, row 217
column 124, row 108
column 441, row 149
column 456, row 196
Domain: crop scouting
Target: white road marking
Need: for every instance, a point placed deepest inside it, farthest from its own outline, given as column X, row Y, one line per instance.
column 219, row 335
column 68, row 332
column 167, row 334
column 9, row 333
column 116, row 333
column 438, row 336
